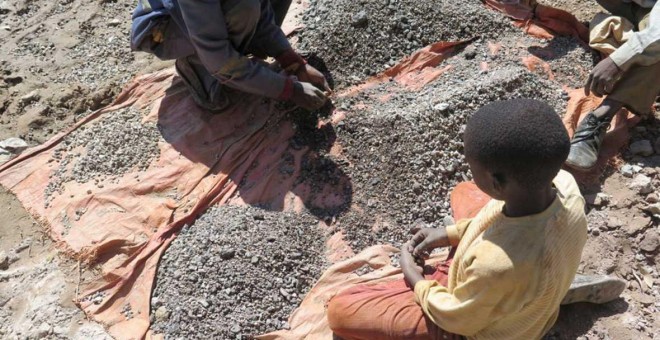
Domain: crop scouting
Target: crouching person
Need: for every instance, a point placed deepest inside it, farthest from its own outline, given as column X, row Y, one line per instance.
column 212, row 40
column 511, row 265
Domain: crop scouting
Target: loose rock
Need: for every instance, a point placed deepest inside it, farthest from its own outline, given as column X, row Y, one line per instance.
column 642, row 148
column 14, row 145
column 651, row 242
column 642, row 184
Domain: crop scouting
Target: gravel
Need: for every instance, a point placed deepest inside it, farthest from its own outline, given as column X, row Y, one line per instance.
column 110, row 147
column 358, row 38
column 236, row 272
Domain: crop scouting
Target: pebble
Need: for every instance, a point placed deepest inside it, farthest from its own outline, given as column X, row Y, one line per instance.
column 642, row 148
column 43, row 331
column 442, row 107
column 654, row 209
column 114, row 22
column 627, row 170
column 13, row 145
column 30, row 98
column 650, row 242
column 642, row 184
column 4, row 152
column 227, row 254
column 162, row 313
column 360, row 19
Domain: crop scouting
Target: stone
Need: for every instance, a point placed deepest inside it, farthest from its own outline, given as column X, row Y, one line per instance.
column 635, row 225
column 653, row 209
column 162, row 313
column 652, row 198
column 442, row 107
column 4, row 261
column 43, row 331
column 651, row 242
column 642, row 184
column 14, row 145
column 613, row 223
column 4, row 152
column 642, row 148
column 627, row 170
column 114, row 22
column 30, row 98
column 227, row 254
column 204, row 303
column 360, row 19
column 602, row 199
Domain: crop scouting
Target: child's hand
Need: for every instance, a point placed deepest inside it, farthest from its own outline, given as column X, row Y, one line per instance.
column 411, row 270
column 427, row 239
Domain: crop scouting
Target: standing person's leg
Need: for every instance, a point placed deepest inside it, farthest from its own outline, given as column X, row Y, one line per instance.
column 636, row 90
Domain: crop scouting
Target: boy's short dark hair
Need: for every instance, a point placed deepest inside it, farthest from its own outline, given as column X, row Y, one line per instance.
column 523, row 139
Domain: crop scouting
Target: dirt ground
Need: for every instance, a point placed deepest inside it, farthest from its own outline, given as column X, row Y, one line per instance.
column 64, row 59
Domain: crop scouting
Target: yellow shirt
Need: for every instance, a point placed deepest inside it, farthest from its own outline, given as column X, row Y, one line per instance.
column 509, row 275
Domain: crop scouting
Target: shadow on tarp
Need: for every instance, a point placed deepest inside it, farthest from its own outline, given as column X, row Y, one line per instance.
column 278, row 167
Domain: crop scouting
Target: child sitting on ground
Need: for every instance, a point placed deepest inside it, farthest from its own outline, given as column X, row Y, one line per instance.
column 512, row 264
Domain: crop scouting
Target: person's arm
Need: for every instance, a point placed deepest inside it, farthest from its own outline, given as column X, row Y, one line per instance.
column 643, row 48
column 207, row 29
column 456, row 231
column 270, row 39
column 486, row 295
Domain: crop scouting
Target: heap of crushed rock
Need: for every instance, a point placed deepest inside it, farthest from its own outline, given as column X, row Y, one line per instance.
column 236, row 272
column 362, row 38
column 110, row 147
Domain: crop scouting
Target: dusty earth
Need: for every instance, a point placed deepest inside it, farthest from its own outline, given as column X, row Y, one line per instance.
column 62, row 60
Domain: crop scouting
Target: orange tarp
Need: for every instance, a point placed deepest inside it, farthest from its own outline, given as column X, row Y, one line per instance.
column 129, row 222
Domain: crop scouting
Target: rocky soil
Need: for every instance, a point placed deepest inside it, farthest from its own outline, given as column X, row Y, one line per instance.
column 60, row 60
column 37, row 286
